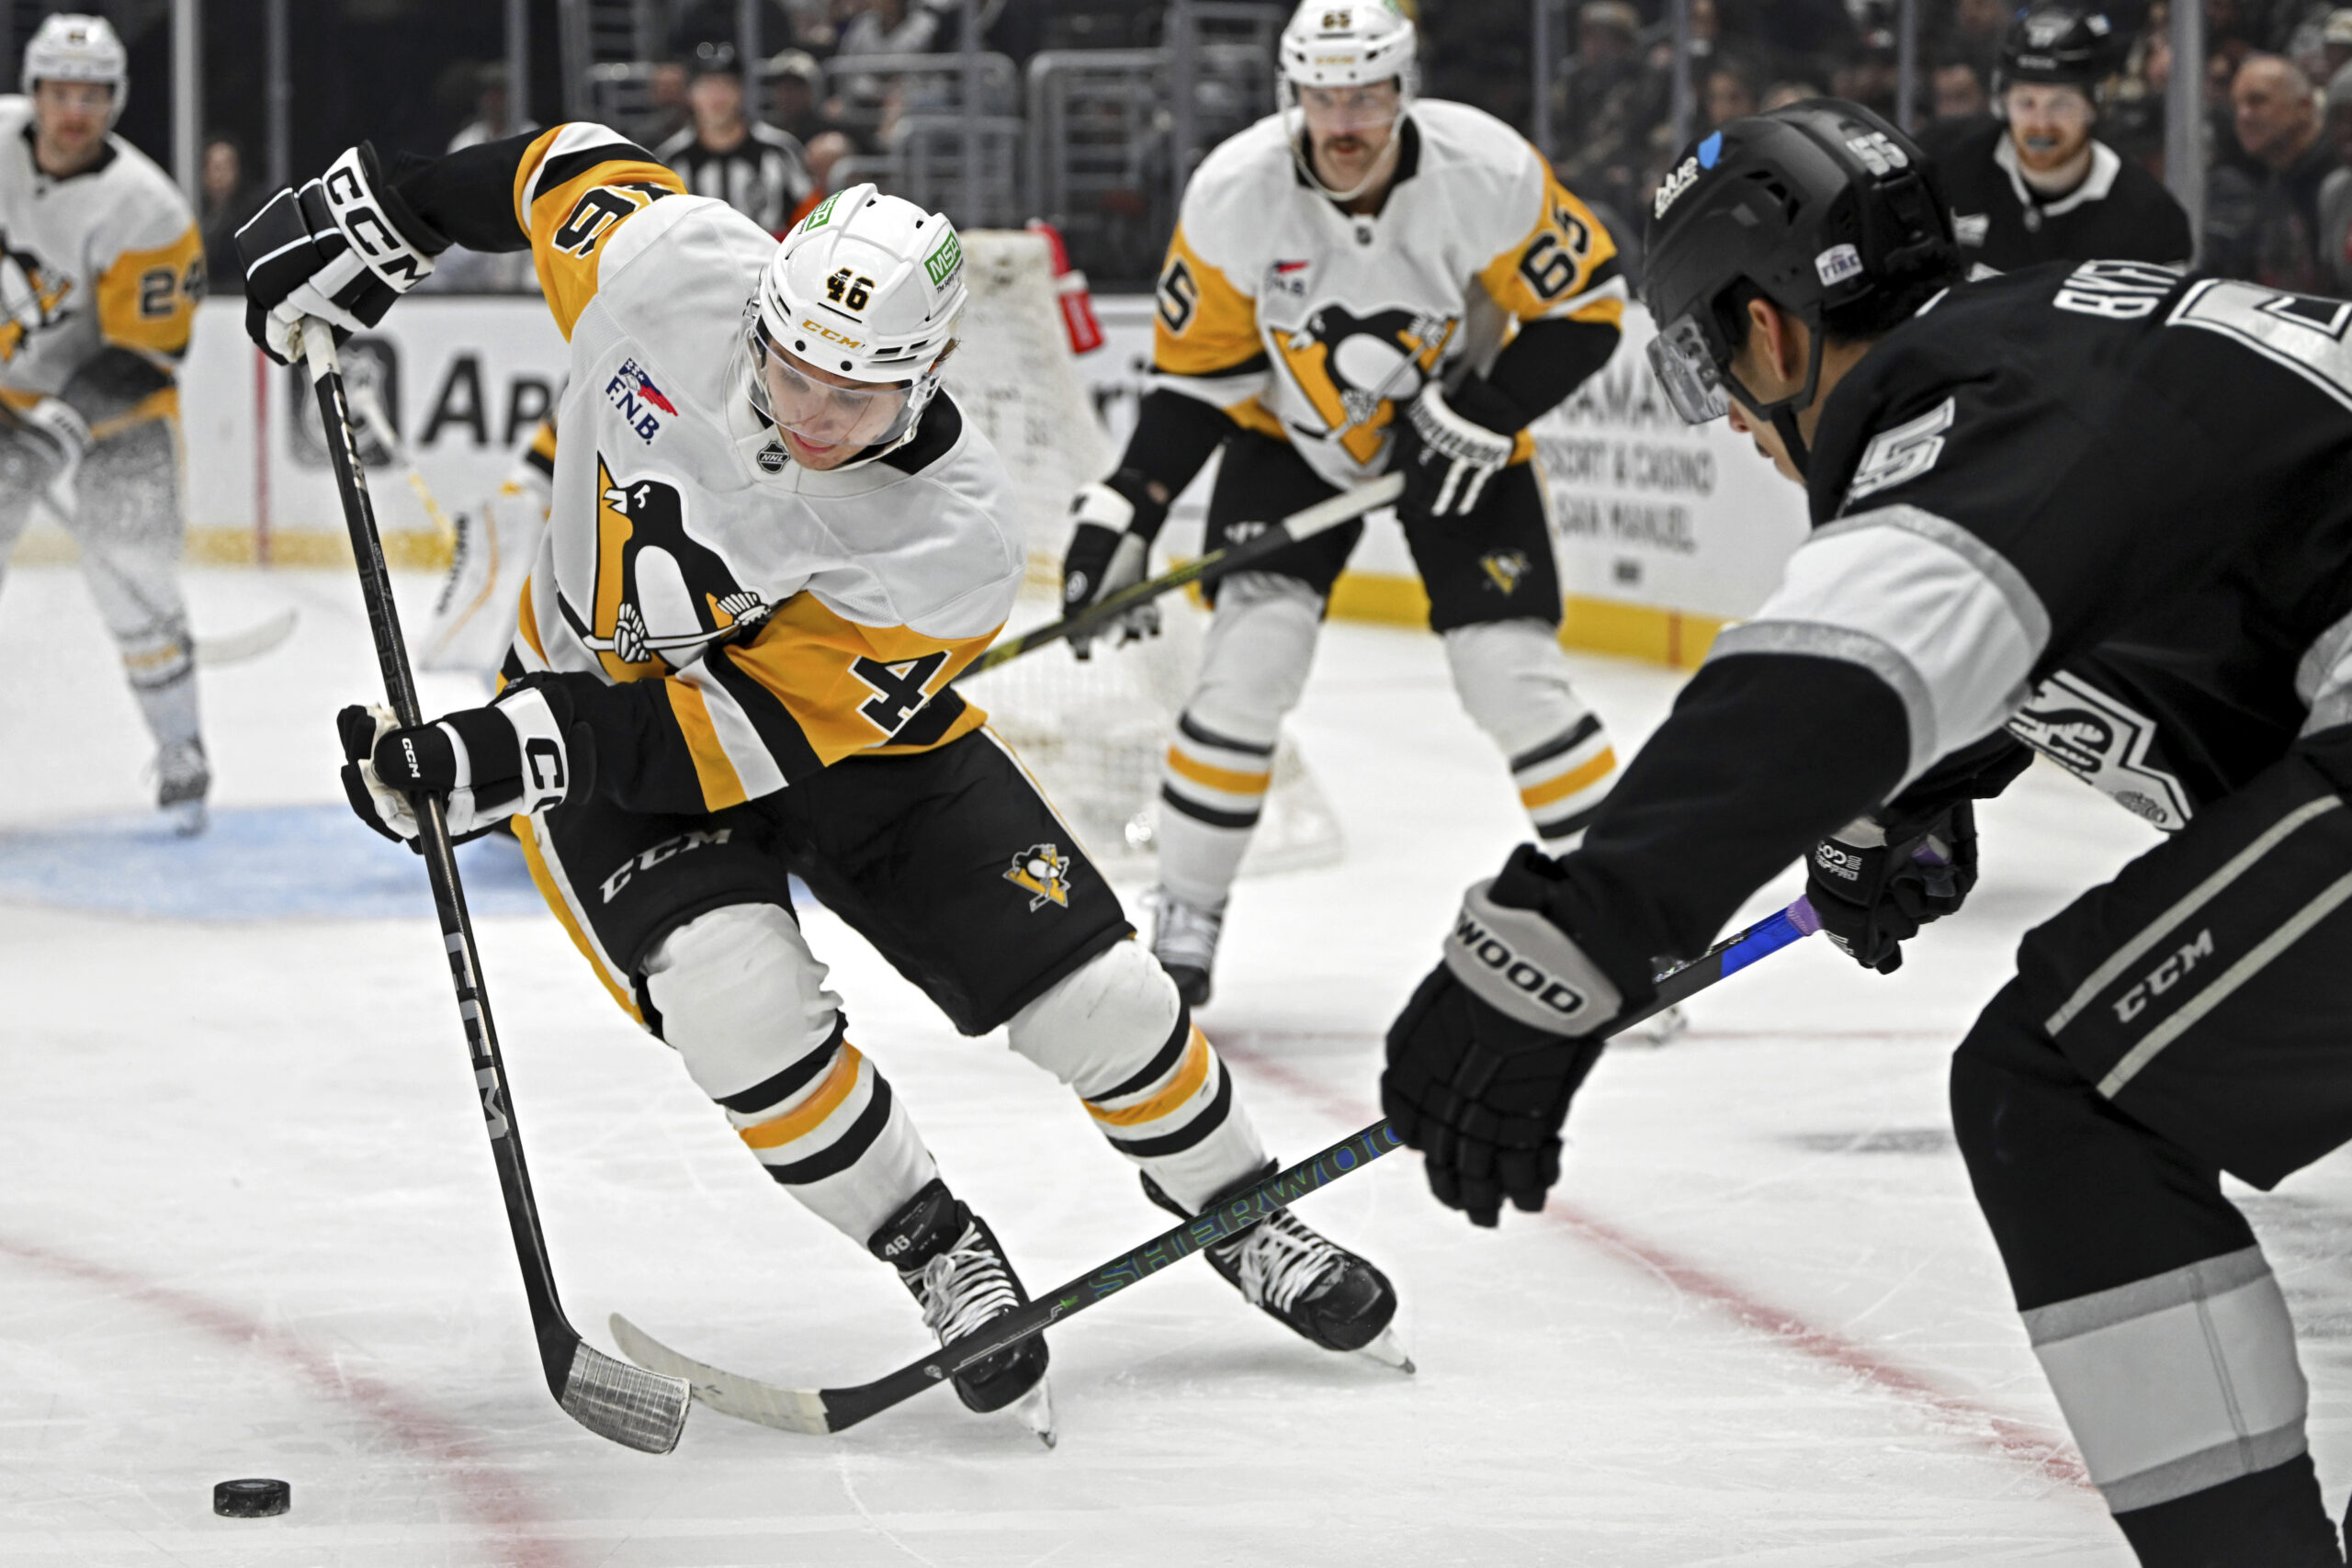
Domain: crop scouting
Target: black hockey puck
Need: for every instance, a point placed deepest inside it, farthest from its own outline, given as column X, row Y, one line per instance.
column 253, row 1499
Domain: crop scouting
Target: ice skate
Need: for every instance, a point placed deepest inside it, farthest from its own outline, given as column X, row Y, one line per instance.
column 182, row 778
column 1183, row 938
column 1320, row 1290
column 949, row 1260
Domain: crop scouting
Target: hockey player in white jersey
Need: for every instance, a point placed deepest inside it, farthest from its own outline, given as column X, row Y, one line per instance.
column 774, row 543
column 101, row 266
column 1331, row 300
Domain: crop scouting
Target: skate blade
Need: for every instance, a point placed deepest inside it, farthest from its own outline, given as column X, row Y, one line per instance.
column 188, row 818
column 1036, row 1411
column 1389, row 1351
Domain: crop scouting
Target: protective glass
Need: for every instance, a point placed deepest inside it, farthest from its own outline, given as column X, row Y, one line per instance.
column 1686, row 367
column 818, row 411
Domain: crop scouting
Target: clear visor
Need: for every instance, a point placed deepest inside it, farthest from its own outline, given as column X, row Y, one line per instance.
column 1686, row 368
column 1349, row 111
column 818, row 411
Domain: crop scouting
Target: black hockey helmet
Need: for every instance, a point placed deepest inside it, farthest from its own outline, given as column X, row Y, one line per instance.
column 2058, row 43
column 1816, row 206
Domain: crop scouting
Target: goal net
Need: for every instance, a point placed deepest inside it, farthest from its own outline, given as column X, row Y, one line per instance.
column 1096, row 730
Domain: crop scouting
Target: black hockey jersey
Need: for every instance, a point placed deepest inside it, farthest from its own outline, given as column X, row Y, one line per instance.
column 2119, row 210
column 2103, row 507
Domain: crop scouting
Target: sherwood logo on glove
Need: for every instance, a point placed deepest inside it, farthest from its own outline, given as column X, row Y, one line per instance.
column 1491, row 952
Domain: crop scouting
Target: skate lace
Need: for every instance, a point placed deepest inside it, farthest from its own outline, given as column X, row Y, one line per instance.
column 1283, row 1259
column 1184, row 931
column 964, row 1287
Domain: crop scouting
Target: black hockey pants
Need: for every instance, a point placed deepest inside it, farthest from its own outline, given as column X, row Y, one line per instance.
column 2190, row 1017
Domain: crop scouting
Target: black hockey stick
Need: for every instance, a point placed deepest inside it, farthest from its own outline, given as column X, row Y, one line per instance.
column 832, row 1409
column 638, row 1408
column 1304, row 524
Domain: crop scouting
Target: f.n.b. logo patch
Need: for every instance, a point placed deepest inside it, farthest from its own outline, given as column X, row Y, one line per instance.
column 1043, row 873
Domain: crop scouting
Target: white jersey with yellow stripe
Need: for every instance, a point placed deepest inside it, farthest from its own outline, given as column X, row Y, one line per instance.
column 763, row 620
column 108, row 258
column 1314, row 325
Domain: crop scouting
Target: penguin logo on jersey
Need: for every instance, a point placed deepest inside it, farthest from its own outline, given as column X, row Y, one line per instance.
column 1505, row 569
column 1042, row 872
column 661, row 596
column 30, row 299
column 1354, row 370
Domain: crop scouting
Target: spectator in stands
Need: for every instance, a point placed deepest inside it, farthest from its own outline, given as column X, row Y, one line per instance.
column 2335, row 191
column 797, row 96
column 2265, row 225
column 493, row 115
column 892, row 27
column 1730, row 93
column 1780, row 94
column 1870, row 74
column 825, row 153
column 1976, row 27
column 1610, row 105
column 228, row 198
column 1956, row 94
column 2335, row 44
column 761, row 172
column 669, row 113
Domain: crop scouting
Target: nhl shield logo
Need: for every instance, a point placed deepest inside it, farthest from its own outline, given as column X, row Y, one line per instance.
column 1042, row 873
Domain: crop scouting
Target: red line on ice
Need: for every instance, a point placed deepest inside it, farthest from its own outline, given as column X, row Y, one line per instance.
column 2048, row 1455
column 483, row 1489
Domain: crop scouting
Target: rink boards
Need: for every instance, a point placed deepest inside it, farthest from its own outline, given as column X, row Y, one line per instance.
column 1663, row 532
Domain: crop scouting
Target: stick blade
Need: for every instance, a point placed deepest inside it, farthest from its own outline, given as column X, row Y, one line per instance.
column 637, row 1408
column 236, row 647
column 729, row 1393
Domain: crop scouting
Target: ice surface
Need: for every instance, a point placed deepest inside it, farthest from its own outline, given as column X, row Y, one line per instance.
column 248, row 1225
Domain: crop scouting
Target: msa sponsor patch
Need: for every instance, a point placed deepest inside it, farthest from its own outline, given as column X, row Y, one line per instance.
column 2105, row 743
column 1042, row 872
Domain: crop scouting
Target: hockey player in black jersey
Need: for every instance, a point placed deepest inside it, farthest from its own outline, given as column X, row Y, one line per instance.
column 2099, row 511
column 2034, row 185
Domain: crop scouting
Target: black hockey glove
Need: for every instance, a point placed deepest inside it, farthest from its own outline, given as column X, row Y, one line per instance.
column 1448, row 444
column 1484, row 1059
column 486, row 763
column 342, row 247
column 1882, row 877
column 1117, row 520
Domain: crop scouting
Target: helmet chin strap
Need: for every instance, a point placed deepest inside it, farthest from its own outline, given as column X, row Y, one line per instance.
column 1783, row 414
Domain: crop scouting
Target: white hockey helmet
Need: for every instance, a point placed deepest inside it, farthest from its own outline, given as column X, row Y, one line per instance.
column 1332, row 44
column 1349, row 43
column 866, row 288
column 70, row 47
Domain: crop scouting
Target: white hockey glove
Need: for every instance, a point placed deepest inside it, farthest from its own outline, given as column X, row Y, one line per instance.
column 52, row 439
column 342, row 248
column 1447, row 450
column 487, row 763
column 1105, row 554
